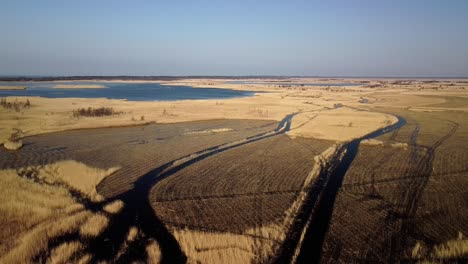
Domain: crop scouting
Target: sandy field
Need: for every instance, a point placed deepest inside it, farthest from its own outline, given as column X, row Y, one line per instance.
column 12, row 87
column 78, row 86
column 318, row 117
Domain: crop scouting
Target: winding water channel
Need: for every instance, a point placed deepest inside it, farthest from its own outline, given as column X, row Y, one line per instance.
column 314, row 218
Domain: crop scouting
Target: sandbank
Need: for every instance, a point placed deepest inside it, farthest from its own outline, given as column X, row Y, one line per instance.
column 78, row 86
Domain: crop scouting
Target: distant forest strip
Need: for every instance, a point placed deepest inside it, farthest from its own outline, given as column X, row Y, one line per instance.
column 129, row 78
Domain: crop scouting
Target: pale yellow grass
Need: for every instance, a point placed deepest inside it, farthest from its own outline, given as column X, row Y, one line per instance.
column 131, row 236
column 438, row 109
column 36, row 240
column 78, row 86
column 208, row 247
column 76, row 175
column 94, row 225
column 132, row 233
column 342, row 124
column 402, row 100
column 63, row 253
column 154, row 253
column 114, row 207
column 36, row 213
column 13, row 145
column 455, row 248
column 372, row 142
column 23, row 201
column 12, row 87
column 210, row 131
column 85, row 259
column 380, row 143
column 399, row 145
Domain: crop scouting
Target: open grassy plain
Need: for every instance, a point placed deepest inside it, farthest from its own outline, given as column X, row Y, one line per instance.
column 296, row 173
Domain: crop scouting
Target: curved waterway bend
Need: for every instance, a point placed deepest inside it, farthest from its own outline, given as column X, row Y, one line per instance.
column 314, row 217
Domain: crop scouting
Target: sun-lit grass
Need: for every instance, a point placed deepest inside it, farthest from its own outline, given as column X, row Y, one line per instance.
column 206, row 247
column 13, row 145
column 64, row 252
column 76, row 175
column 114, row 207
column 35, row 241
column 37, row 207
column 94, row 225
column 132, row 233
column 154, row 252
column 452, row 249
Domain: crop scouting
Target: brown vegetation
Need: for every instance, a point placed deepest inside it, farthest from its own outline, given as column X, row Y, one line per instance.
column 394, row 199
column 14, row 142
column 94, row 112
column 15, row 105
column 39, row 209
column 254, row 191
column 402, row 199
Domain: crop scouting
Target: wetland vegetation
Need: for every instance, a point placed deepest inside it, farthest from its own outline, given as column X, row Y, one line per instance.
column 281, row 177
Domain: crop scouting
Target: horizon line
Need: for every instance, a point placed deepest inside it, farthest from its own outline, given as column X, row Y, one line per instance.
column 3, row 77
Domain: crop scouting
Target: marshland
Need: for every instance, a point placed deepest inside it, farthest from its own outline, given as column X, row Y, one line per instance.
column 233, row 131
column 296, row 174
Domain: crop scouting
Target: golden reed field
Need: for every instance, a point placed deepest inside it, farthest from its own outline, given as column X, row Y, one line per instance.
column 302, row 171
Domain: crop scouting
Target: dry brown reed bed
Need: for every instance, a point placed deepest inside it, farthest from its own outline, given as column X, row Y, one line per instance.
column 40, row 205
column 88, row 224
column 405, row 204
column 244, row 210
column 266, row 174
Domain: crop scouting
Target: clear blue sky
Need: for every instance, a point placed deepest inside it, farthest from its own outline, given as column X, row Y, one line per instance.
column 327, row 38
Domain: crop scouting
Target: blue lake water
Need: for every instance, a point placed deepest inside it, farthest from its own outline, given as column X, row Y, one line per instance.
column 129, row 91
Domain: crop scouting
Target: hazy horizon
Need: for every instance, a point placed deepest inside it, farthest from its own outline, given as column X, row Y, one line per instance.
column 367, row 39
column 234, row 76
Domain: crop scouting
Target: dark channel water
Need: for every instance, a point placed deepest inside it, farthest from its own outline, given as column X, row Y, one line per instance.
column 129, row 91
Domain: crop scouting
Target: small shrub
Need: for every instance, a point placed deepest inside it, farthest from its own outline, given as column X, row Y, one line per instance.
column 14, row 142
column 16, row 135
column 93, row 112
column 16, row 105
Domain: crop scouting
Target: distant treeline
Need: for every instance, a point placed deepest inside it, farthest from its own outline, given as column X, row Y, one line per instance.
column 175, row 78
column 130, row 78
